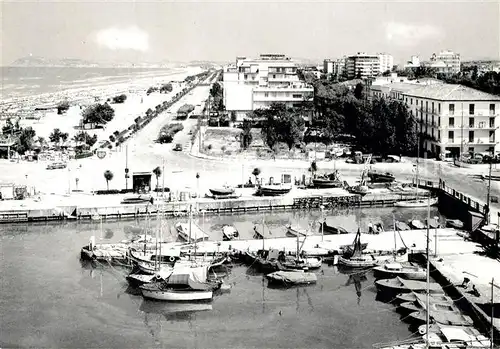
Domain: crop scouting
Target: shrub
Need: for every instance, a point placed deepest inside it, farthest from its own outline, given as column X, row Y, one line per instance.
column 62, row 107
column 83, row 155
column 120, row 99
column 165, row 138
column 112, row 138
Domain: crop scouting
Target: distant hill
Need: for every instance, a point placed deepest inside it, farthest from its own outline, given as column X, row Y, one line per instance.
column 35, row 61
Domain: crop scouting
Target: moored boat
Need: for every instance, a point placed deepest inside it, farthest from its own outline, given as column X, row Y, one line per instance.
column 229, row 232
column 381, row 177
column 273, row 190
column 402, row 226
column 432, row 223
column 330, row 180
column 417, row 224
column 138, row 279
column 454, row 318
column 399, row 285
column 186, row 294
column 294, row 232
column 412, row 297
column 191, row 232
column 454, row 223
column 417, row 202
column 392, row 270
column 303, row 263
column 292, row 278
column 222, row 191
column 357, row 259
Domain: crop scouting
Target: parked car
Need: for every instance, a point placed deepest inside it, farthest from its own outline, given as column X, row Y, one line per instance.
column 56, row 166
column 178, row 147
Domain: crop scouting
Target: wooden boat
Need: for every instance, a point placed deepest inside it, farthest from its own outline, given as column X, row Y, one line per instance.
column 331, row 180
column 357, row 259
column 222, row 191
column 195, row 235
column 151, row 291
column 416, row 224
column 293, row 232
column 116, row 251
column 330, row 229
column 265, row 261
column 292, row 278
column 139, row 199
column 402, row 226
column 413, row 297
column 454, row 318
column 416, row 203
column 420, row 303
column 273, row 190
column 168, row 309
column 229, row 232
column 381, row 177
column 432, row 223
column 138, row 279
column 392, row 270
column 359, row 189
column 454, row 223
column 460, row 336
column 399, row 285
column 303, row 263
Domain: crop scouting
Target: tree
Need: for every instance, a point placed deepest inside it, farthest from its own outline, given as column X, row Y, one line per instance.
column 108, row 175
column 55, row 136
column 10, row 128
column 25, row 140
column 166, row 88
column 256, row 173
column 313, row 168
column 62, row 107
column 358, row 90
column 157, row 173
column 98, row 114
column 120, row 98
column 246, row 136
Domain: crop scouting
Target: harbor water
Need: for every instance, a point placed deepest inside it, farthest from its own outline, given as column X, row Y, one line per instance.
column 50, row 299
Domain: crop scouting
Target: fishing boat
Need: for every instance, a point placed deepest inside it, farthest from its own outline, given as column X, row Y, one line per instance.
column 362, row 188
column 291, row 278
column 392, row 270
column 331, row 230
column 273, row 190
column 454, row 223
column 357, row 259
column 229, row 232
column 420, row 303
column 153, row 291
column 402, row 226
column 139, row 279
column 413, row 297
column 191, row 232
column 138, row 199
column 432, row 223
column 116, row 251
column 330, row 180
column 301, row 261
column 222, row 191
column 381, row 177
column 293, row 232
column 399, row 285
column 265, row 261
column 453, row 318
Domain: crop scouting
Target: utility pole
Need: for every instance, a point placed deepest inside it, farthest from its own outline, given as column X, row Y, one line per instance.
column 126, row 167
column 487, row 213
column 163, row 178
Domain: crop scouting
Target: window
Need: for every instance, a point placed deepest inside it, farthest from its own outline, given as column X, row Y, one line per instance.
column 492, row 121
column 432, row 132
column 439, row 121
column 471, row 149
column 266, row 94
column 451, row 136
column 439, row 108
column 411, row 100
column 432, row 116
column 439, row 136
column 451, row 109
column 274, row 76
column 471, row 136
column 297, row 96
column 426, row 106
column 492, row 136
column 246, row 76
column 492, row 109
column 432, row 107
column 471, row 109
column 471, row 122
column 451, row 122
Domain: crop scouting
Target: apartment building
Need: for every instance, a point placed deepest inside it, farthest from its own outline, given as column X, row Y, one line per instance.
column 445, row 62
column 334, row 67
column 451, row 118
column 253, row 83
column 386, row 62
column 362, row 65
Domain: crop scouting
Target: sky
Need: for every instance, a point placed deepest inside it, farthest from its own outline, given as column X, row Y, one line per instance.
column 154, row 31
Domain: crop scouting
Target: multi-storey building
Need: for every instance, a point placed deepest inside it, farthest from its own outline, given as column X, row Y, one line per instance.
column 362, row 65
column 445, row 62
column 414, row 62
column 386, row 62
column 334, row 67
column 451, row 118
column 251, row 84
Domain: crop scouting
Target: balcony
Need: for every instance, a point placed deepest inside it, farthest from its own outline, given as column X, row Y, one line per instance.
column 470, row 127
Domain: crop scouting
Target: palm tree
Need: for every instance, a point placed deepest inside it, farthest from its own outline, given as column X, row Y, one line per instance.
column 108, row 175
column 157, row 173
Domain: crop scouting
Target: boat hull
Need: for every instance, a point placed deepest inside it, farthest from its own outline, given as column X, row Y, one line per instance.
column 331, row 230
column 270, row 191
column 381, row 273
column 326, row 183
column 417, row 203
column 177, row 295
column 349, row 263
column 381, row 177
column 221, row 192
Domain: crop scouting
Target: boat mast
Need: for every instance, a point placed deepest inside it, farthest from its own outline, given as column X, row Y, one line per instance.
column 492, row 311
column 161, row 236
column 297, row 254
column 427, row 313
column 488, row 195
column 394, row 228
column 416, row 170
column 263, row 232
column 190, row 211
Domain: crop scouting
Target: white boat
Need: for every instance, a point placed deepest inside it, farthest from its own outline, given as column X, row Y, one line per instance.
column 358, row 260
column 191, row 232
column 417, row 203
column 137, row 279
column 293, row 232
column 303, row 263
column 229, row 232
column 175, row 294
column 292, row 278
column 391, row 270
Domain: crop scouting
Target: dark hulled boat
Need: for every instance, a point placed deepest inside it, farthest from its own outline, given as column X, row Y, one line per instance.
column 330, row 229
column 330, row 180
column 222, row 191
column 381, row 177
column 273, row 190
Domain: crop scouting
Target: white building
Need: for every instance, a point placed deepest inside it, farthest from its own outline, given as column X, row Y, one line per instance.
column 334, row 67
column 252, row 84
column 386, row 62
column 414, row 62
column 362, row 65
column 451, row 118
column 445, row 62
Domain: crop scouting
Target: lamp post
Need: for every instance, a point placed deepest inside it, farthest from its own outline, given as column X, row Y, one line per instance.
column 436, row 237
column 322, row 221
column 198, row 184
column 163, row 178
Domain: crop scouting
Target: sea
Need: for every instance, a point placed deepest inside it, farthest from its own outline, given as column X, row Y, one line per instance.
column 49, row 298
column 25, row 81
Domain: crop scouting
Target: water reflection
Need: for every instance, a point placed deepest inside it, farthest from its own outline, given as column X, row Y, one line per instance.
column 356, row 278
column 174, row 311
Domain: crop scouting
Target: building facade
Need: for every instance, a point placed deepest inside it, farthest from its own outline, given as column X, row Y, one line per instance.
column 334, row 67
column 386, row 62
column 254, row 83
column 362, row 66
column 451, row 119
column 445, row 62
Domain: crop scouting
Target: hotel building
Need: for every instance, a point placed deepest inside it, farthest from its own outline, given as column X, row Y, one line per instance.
column 254, row 83
column 451, row 118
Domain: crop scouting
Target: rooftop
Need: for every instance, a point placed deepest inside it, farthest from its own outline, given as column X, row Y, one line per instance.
column 448, row 92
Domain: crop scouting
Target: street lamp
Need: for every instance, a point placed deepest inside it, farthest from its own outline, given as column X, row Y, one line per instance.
column 322, row 222
column 198, row 183
column 436, row 237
